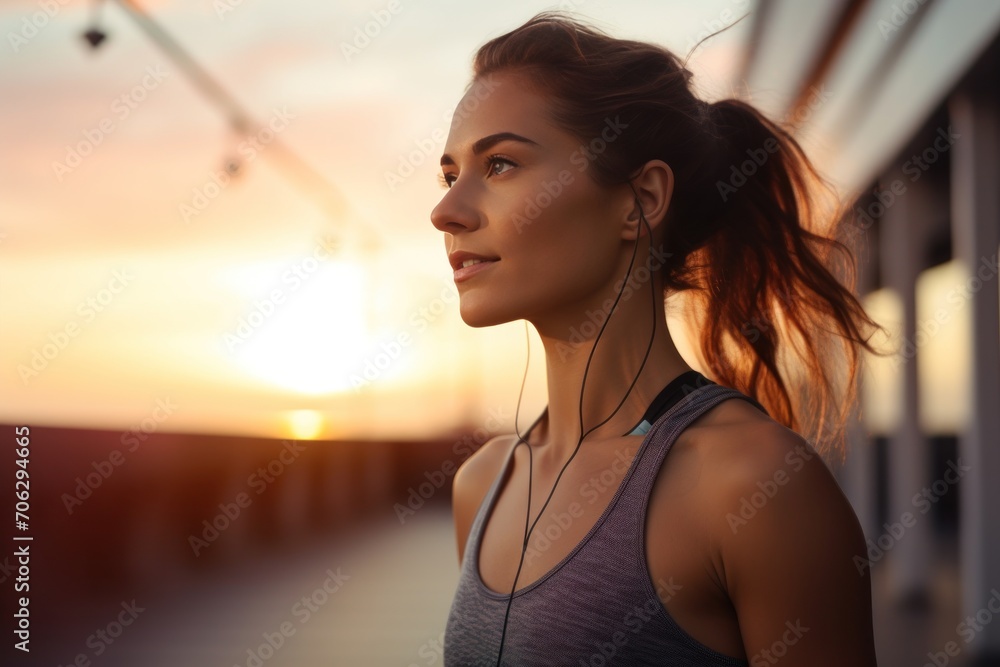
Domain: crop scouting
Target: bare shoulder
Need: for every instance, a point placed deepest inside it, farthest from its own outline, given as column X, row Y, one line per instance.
column 472, row 481
column 483, row 465
column 747, row 459
column 788, row 545
column 758, row 455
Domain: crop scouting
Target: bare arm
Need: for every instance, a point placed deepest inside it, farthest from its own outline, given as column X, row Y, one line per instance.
column 472, row 480
column 794, row 557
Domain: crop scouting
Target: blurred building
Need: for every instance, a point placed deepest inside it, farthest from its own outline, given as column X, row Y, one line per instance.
column 897, row 102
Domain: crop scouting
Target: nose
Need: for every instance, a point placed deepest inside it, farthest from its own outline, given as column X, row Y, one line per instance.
column 455, row 212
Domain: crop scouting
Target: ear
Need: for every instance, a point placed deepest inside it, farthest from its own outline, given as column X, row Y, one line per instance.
column 654, row 186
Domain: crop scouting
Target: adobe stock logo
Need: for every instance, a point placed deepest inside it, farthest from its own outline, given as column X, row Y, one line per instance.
column 408, row 163
column 88, row 309
column 581, row 158
column 248, row 149
column 923, row 501
column 436, row 479
column 30, row 26
column 739, row 174
column 381, row 18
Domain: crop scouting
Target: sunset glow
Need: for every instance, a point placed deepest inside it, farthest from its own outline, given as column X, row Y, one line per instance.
column 275, row 277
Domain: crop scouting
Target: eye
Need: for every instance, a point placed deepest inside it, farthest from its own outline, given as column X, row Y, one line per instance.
column 497, row 159
column 447, row 180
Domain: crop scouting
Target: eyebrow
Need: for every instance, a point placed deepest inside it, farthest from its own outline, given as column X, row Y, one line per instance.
column 488, row 142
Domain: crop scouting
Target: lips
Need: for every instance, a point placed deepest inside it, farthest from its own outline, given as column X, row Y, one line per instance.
column 467, row 264
column 459, row 258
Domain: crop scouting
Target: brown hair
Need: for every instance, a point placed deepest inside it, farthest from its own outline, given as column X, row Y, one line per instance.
column 750, row 236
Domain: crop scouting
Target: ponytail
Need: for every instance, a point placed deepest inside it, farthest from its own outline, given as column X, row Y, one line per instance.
column 776, row 320
column 751, row 227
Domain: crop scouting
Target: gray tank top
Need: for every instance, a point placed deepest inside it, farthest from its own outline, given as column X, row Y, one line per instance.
column 599, row 605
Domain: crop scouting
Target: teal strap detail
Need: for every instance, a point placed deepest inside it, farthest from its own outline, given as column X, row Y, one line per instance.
column 642, row 429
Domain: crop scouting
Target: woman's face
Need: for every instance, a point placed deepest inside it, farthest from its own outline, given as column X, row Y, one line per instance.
column 521, row 196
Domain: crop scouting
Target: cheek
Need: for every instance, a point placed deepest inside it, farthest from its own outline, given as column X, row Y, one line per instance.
column 585, row 227
column 568, row 247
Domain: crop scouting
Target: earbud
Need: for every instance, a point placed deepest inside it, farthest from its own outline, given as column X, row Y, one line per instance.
column 583, row 384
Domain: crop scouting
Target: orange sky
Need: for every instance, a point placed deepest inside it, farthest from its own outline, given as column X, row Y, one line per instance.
column 131, row 273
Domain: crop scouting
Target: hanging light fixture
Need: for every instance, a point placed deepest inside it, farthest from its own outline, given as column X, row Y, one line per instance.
column 94, row 35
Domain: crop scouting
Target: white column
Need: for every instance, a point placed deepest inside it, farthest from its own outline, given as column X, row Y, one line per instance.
column 902, row 239
column 976, row 232
column 857, row 474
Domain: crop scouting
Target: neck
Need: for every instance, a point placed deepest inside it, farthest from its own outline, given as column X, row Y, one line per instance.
column 615, row 364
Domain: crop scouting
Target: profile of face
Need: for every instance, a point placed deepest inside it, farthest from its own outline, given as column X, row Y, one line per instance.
column 520, row 195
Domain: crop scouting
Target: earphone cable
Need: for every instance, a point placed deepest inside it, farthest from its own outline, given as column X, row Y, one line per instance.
column 583, row 383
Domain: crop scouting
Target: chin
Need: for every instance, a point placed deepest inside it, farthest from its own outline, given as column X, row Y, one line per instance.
column 479, row 313
column 479, row 320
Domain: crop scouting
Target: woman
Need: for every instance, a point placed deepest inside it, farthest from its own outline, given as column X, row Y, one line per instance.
column 585, row 183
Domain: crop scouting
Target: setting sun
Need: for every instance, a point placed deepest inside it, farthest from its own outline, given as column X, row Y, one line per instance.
column 305, row 424
column 308, row 340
